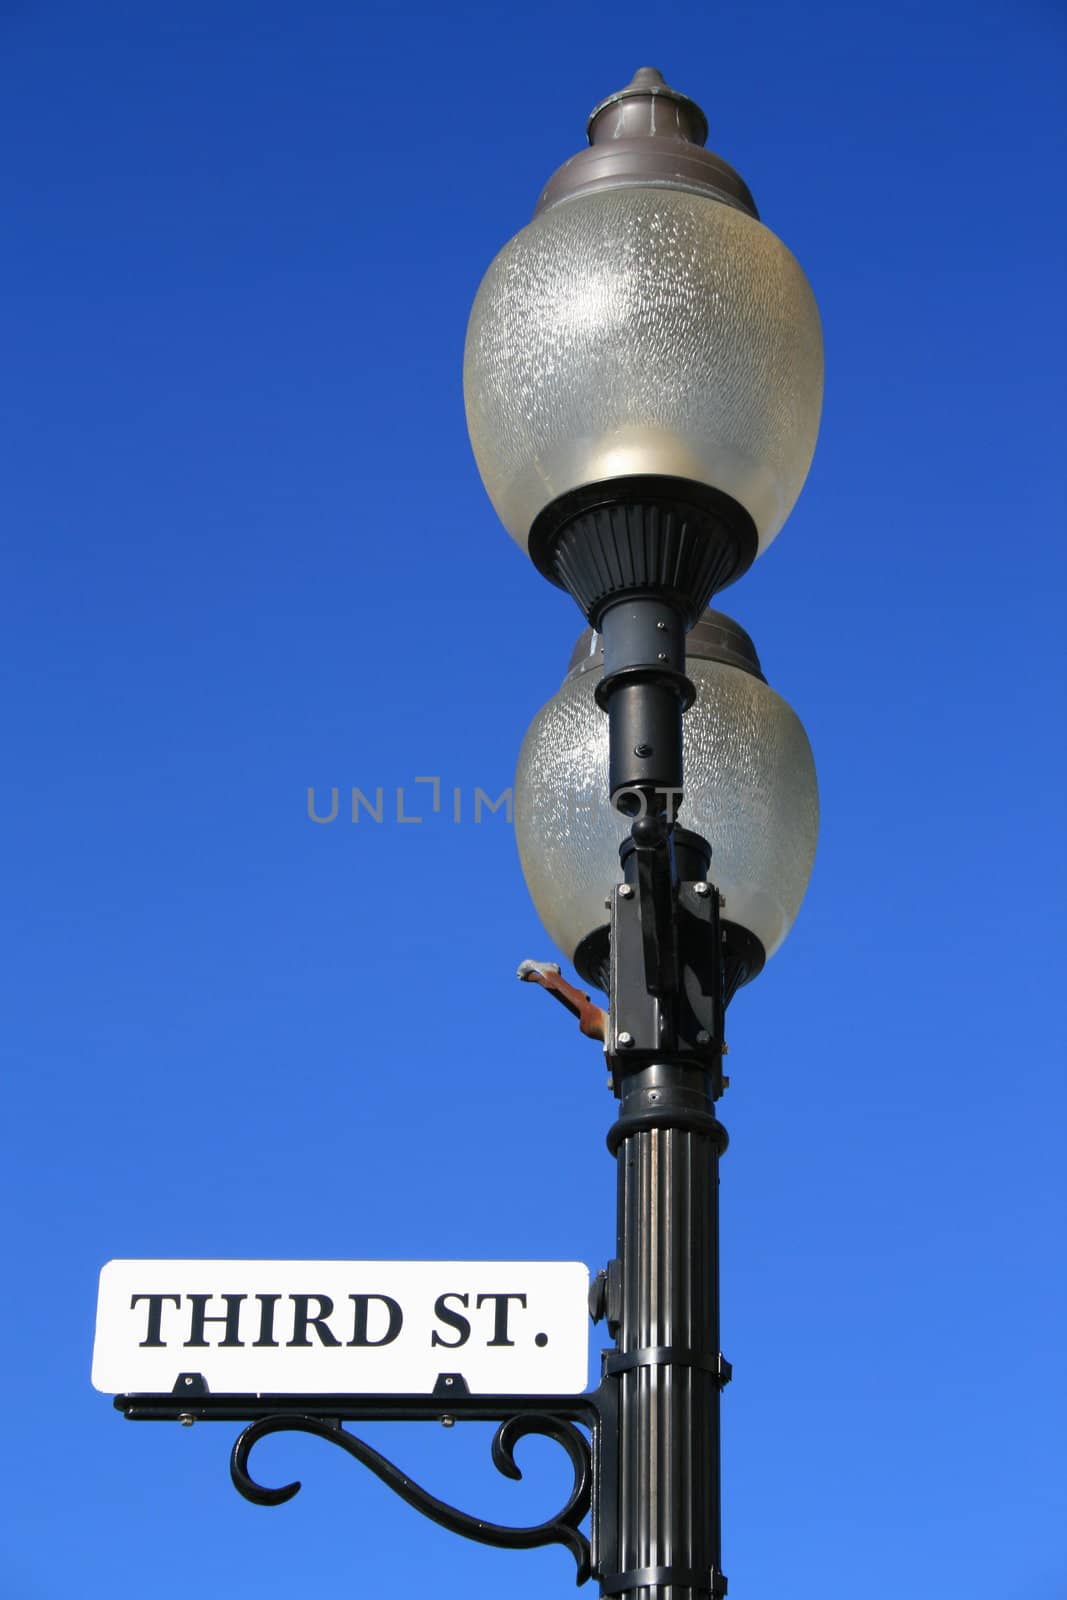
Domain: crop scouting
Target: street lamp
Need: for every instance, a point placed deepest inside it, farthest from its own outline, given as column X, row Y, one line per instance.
column 750, row 790
column 643, row 378
column 645, row 324
column 643, row 381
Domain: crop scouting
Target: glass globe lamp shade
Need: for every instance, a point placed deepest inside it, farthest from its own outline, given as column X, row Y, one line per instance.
column 643, row 330
column 750, row 790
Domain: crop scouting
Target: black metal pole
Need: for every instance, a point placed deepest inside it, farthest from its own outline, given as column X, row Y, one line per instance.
column 668, row 1365
column 665, row 1051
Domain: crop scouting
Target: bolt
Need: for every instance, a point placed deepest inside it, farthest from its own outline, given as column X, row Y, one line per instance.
column 626, row 891
column 186, row 1420
column 626, row 1040
column 448, row 1383
column 663, row 656
column 188, row 1380
column 448, row 1422
column 662, row 626
column 643, row 751
column 701, row 889
column 703, row 1037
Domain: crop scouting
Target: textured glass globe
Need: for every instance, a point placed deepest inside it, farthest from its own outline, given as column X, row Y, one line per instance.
column 750, row 790
column 642, row 330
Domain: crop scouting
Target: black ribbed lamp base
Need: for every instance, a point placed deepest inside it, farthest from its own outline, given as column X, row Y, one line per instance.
column 669, row 537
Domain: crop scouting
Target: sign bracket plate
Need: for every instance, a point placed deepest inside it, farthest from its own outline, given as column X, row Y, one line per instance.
column 557, row 1417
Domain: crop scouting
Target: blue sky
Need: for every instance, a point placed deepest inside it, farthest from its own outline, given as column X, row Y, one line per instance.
column 246, row 551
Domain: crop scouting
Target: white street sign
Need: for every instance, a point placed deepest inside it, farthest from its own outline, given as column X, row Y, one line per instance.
column 342, row 1327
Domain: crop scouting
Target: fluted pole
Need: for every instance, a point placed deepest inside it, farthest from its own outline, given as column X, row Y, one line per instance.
column 667, row 1365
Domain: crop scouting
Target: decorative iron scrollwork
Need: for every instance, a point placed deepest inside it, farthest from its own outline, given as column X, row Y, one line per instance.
column 560, row 1529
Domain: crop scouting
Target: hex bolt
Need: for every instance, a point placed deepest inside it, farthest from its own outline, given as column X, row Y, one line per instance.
column 626, row 1040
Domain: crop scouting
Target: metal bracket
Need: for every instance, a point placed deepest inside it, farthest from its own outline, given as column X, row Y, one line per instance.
column 561, row 1529
column 556, row 1417
column 450, row 1384
column 684, row 1025
column 190, row 1384
column 667, row 1355
column 638, row 1021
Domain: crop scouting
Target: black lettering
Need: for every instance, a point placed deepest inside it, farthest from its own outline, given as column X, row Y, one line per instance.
column 302, row 1321
column 500, row 1321
column 454, row 1319
column 359, row 1321
column 267, row 1303
column 199, row 1319
column 152, row 1340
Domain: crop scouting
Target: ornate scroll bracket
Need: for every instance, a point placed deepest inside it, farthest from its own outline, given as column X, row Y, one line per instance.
column 560, row 1529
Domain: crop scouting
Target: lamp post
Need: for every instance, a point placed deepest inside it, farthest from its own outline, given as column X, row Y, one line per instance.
column 643, row 378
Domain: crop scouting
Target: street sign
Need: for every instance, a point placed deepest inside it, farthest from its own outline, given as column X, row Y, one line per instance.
column 342, row 1327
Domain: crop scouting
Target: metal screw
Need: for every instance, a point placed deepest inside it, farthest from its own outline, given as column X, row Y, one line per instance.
column 187, row 1380
column 626, row 891
column 662, row 626
column 448, row 1422
column 626, row 1040
column 185, row 1419
column 653, row 1095
column 663, row 656
column 703, row 1037
column 642, row 750
column 701, row 889
column 448, row 1383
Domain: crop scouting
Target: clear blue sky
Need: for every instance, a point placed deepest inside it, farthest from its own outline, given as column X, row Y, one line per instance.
column 246, row 550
